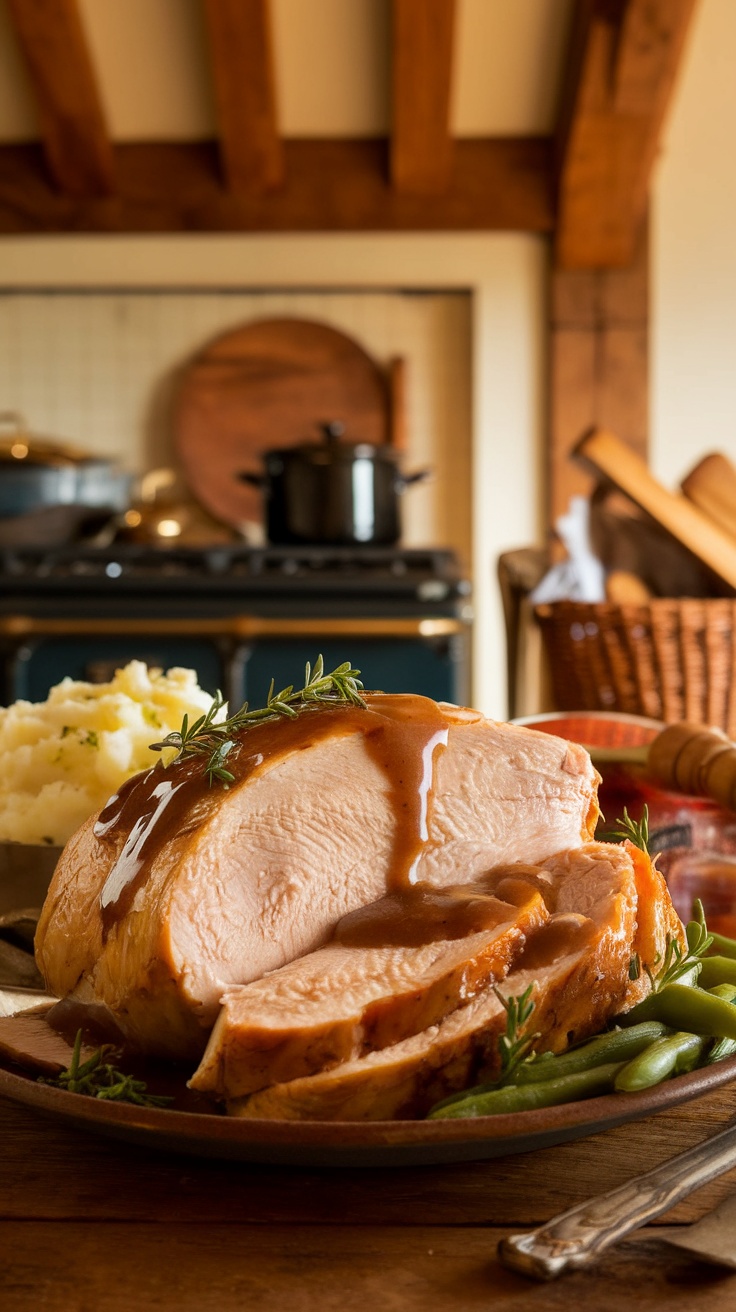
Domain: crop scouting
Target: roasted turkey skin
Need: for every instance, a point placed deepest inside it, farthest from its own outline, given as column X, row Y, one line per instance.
column 320, row 820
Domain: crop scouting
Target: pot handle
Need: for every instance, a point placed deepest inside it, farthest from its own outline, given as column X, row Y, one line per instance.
column 255, row 480
column 332, row 431
column 405, row 480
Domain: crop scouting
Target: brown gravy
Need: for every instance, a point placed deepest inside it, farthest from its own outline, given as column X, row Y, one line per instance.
column 421, row 913
column 402, row 732
column 564, row 933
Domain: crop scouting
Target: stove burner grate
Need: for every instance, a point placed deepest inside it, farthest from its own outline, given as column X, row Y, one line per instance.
column 432, row 572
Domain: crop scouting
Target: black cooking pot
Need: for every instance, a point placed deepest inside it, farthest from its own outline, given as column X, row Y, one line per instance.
column 333, row 492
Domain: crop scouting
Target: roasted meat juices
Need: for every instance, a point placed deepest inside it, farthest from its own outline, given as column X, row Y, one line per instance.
column 182, row 888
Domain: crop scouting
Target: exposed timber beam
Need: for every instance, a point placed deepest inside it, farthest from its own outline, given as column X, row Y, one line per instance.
column 502, row 184
column 243, row 72
column 76, row 144
column 421, row 75
column 624, row 59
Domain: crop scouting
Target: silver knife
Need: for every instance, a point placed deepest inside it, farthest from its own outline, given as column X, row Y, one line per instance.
column 578, row 1236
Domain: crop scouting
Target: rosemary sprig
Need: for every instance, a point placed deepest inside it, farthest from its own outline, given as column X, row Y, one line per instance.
column 514, row 1045
column 214, row 738
column 98, row 1079
column 678, row 965
column 637, row 831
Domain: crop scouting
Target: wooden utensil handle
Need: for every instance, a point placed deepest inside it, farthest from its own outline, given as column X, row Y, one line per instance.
column 686, row 758
column 695, row 759
column 622, row 467
column 580, row 1235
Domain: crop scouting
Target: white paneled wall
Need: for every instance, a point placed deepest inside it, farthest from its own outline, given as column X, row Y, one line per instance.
column 100, row 368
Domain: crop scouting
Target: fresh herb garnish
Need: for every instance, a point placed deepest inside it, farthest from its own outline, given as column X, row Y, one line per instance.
column 696, row 931
column 213, row 738
column 636, row 831
column 675, row 964
column 99, row 1079
column 514, row 1045
column 678, row 965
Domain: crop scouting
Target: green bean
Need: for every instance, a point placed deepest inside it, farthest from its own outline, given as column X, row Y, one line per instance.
column 526, row 1097
column 725, row 946
column 724, row 1047
column 672, row 1055
column 717, row 970
column 616, row 1045
column 720, row 1051
column 685, row 1007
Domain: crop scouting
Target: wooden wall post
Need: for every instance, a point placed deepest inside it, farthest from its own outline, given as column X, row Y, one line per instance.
column 598, row 365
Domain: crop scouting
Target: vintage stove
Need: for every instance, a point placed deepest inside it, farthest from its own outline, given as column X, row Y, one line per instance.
column 239, row 615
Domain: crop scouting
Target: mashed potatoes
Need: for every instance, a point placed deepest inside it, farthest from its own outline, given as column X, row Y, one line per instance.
column 61, row 759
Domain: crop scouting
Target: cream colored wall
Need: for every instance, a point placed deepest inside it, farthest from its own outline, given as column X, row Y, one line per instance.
column 693, row 311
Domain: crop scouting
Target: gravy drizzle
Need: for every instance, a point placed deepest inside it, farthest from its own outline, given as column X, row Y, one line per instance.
column 422, row 914
column 402, row 732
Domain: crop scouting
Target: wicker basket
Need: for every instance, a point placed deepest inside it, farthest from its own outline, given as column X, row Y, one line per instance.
column 668, row 659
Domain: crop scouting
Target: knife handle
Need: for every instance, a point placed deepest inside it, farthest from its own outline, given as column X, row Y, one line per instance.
column 580, row 1235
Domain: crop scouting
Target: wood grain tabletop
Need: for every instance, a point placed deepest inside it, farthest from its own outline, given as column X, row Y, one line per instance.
column 91, row 1224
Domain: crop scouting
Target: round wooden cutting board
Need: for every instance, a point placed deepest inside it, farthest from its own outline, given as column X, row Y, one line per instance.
column 270, row 383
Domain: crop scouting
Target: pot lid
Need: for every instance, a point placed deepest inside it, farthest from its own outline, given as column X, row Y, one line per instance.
column 18, row 445
column 334, row 448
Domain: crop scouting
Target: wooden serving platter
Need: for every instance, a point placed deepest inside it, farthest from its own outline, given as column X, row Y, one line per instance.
column 597, row 1138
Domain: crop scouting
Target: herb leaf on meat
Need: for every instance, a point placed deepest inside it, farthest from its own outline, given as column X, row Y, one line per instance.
column 636, row 831
column 514, row 1045
column 680, row 966
column 213, row 738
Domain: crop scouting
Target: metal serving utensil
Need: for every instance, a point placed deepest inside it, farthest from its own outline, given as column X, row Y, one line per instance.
column 578, row 1237
column 712, row 1238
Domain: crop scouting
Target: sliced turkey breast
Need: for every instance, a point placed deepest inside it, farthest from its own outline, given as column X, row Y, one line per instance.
column 350, row 998
column 179, row 890
column 577, row 963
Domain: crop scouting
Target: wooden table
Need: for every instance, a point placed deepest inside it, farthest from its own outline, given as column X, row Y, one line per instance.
column 90, row 1224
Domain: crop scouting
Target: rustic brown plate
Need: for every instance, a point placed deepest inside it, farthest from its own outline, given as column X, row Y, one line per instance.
column 362, row 1144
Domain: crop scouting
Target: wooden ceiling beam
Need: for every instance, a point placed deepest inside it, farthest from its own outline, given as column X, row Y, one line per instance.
column 503, row 184
column 243, row 73
column 620, row 75
column 76, row 143
column 421, row 76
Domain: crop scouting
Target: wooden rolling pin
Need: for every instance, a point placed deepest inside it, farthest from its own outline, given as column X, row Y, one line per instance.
column 687, row 758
